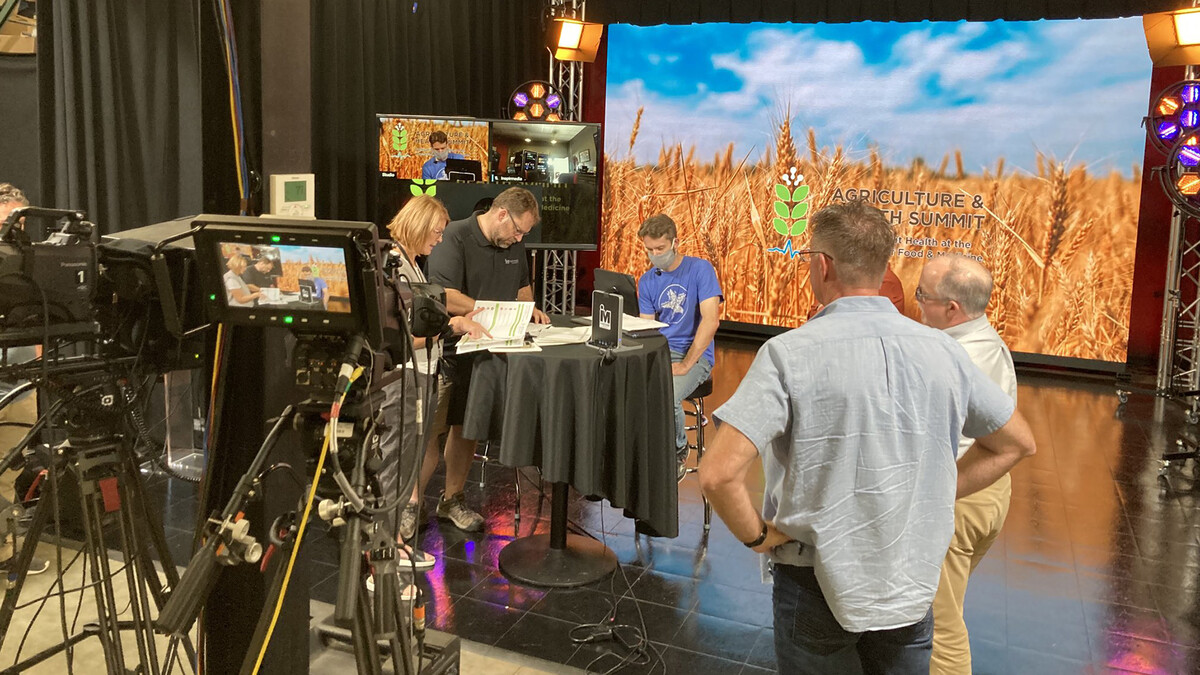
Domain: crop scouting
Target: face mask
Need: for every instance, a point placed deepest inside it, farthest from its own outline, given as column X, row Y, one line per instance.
column 663, row 260
column 441, row 155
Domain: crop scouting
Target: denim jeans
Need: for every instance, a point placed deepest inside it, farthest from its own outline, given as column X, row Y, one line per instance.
column 810, row 641
column 684, row 385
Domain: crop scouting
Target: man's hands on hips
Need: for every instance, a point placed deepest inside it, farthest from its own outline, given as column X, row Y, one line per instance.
column 774, row 538
column 679, row 369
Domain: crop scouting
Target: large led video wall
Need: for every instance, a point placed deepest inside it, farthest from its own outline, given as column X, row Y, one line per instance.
column 1016, row 143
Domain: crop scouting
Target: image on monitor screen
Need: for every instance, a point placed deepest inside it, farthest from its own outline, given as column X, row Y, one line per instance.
column 419, row 148
column 302, row 278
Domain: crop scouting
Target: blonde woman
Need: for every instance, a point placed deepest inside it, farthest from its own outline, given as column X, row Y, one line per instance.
column 416, row 229
column 239, row 293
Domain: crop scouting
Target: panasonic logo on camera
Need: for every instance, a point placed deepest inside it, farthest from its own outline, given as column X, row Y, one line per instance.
column 73, row 264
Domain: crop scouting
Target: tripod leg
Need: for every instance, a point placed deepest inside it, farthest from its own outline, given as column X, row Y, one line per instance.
column 17, row 573
column 362, row 631
column 402, row 656
column 106, row 604
column 151, row 535
column 135, row 576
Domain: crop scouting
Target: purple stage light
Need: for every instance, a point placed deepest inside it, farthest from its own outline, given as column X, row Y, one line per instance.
column 553, row 100
column 1189, row 119
column 521, row 99
column 1167, row 130
column 1189, row 156
column 1191, row 93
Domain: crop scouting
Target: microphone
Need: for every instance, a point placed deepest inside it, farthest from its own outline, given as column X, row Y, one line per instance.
column 657, row 272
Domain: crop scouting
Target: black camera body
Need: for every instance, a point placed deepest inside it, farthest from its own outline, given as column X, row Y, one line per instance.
column 47, row 289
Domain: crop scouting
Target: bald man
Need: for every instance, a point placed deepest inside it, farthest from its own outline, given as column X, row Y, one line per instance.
column 953, row 293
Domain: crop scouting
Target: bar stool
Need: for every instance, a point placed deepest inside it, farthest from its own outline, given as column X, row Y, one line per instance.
column 696, row 401
column 484, row 458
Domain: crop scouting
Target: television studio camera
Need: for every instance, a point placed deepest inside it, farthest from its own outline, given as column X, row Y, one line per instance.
column 333, row 286
column 135, row 306
column 94, row 310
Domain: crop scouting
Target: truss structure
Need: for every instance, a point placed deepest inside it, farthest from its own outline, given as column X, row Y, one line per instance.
column 558, row 265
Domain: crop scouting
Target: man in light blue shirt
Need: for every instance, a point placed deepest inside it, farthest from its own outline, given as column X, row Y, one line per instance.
column 435, row 167
column 857, row 416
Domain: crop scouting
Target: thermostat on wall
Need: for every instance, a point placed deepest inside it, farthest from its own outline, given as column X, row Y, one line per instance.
column 292, row 195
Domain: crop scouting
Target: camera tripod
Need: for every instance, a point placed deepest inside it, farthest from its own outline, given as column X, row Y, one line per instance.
column 112, row 500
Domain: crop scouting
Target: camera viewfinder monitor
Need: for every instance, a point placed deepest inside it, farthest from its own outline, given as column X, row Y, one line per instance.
column 276, row 272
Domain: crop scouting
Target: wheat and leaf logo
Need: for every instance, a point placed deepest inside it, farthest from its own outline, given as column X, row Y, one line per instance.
column 418, row 187
column 399, row 140
column 791, row 209
column 791, row 204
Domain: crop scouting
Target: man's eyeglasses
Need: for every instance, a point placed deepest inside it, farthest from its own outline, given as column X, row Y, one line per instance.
column 518, row 232
column 922, row 296
column 806, row 254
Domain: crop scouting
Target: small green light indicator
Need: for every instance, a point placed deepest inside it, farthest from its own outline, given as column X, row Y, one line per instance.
column 275, row 238
column 213, row 296
column 196, row 355
column 288, row 319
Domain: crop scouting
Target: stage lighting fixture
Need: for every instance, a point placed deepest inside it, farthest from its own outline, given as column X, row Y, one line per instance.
column 572, row 40
column 536, row 100
column 1175, row 111
column 1180, row 177
column 1173, row 38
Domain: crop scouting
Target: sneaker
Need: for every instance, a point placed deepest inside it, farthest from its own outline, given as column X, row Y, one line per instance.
column 681, row 456
column 420, row 559
column 408, row 522
column 36, row 565
column 408, row 592
column 456, row 511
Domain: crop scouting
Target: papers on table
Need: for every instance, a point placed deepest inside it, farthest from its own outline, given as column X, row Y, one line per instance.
column 506, row 321
column 637, row 323
column 545, row 335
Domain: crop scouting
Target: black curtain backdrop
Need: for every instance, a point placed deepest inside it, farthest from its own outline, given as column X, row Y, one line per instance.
column 20, row 157
column 448, row 57
column 644, row 13
column 119, row 93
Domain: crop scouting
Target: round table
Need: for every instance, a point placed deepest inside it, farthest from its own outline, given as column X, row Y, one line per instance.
column 604, row 426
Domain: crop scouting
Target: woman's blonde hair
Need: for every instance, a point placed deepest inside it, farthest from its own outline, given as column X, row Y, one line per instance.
column 415, row 221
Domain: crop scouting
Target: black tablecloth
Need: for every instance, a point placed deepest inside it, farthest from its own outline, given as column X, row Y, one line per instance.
column 607, row 429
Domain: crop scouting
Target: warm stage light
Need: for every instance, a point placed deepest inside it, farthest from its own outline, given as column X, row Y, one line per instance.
column 568, row 37
column 571, row 40
column 520, row 116
column 538, row 110
column 1168, row 106
column 1187, row 27
column 1188, row 184
column 1173, row 38
column 537, row 90
column 553, row 117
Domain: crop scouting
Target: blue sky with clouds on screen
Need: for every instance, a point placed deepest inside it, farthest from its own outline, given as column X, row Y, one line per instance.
column 1002, row 89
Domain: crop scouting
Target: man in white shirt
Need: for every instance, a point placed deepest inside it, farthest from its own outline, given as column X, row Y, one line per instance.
column 953, row 293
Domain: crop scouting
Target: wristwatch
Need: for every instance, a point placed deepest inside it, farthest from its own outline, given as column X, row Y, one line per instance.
column 761, row 538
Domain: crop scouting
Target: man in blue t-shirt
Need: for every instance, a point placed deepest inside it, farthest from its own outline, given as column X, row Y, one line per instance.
column 435, row 167
column 682, row 292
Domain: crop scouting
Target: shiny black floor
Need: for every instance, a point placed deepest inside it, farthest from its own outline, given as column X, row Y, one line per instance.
column 1097, row 570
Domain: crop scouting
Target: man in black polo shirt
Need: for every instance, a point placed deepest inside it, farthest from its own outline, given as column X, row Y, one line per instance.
column 480, row 258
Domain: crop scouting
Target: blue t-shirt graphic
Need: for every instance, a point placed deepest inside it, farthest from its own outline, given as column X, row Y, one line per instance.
column 674, row 298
